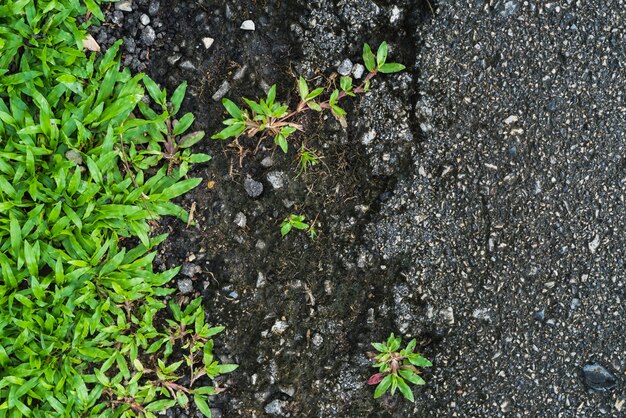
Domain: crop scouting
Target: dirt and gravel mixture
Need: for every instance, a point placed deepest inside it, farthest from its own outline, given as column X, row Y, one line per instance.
column 474, row 202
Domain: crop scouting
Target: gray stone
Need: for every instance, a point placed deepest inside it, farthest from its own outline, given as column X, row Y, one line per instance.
column 277, row 179
column 240, row 220
column 358, row 71
column 276, row 407
column 279, row 327
column 148, row 36
column 124, row 5
column 598, row 378
column 144, row 19
column 261, row 281
column 267, row 162
column 221, row 92
column 253, row 188
column 187, row 65
column 185, row 286
column 345, row 68
column 153, row 8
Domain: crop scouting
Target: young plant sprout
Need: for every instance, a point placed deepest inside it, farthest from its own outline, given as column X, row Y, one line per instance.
column 395, row 367
column 297, row 222
column 270, row 118
column 307, row 158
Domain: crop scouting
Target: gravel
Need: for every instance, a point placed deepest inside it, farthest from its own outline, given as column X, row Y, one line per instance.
column 253, row 188
column 598, row 378
column 513, row 199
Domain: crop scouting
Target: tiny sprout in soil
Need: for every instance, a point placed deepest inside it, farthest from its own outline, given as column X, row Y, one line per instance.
column 395, row 367
column 270, row 118
column 307, row 158
column 297, row 222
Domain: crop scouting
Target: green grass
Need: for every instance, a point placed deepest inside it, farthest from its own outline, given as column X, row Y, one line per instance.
column 86, row 167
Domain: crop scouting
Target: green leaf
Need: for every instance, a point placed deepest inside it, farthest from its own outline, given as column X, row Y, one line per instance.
column 232, row 109
column 285, row 228
column 256, row 108
column 153, row 89
column 346, row 83
column 281, row 141
column 202, row 405
column 94, row 9
column 16, row 234
column 303, row 87
column 391, row 67
column 314, row 106
column 271, row 95
column 233, row 130
column 412, row 377
column 382, row 387
column 419, row 361
column 183, row 124
column 199, row 158
column 178, row 96
column 380, row 347
column 405, row 389
column 368, row 58
column 190, row 139
column 381, row 54
column 160, row 405
column 315, row 93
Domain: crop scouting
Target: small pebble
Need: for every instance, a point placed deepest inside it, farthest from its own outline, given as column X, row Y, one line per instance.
column 345, row 68
column 279, row 327
column 185, row 286
column 153, row 8
column 221, row 92
column 261, row 281
column 598, row 378
column 145, row 19
column 208, row 42
column 148, row 36
column 240, row 220
column 124, row 5
column 247, row 25
column 253, row 188
column 358, row 71
column 277, row 179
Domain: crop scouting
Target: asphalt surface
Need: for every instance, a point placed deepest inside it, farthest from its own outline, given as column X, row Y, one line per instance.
column 511, row 223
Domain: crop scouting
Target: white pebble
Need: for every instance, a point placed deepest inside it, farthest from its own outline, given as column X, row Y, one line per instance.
column 207, row 42
column 247, row 25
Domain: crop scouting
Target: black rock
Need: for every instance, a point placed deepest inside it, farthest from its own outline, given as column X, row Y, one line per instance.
column 598, row 378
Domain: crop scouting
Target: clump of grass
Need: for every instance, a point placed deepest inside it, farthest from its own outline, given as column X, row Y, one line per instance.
column 85, row 164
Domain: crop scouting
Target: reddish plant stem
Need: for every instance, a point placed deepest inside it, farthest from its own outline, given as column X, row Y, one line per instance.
column 302, row 106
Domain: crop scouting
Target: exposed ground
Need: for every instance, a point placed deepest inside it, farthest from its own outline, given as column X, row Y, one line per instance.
column 475, row 202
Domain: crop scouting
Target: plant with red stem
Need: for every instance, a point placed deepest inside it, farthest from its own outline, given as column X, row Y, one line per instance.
column 395, row 367
column 270, row 118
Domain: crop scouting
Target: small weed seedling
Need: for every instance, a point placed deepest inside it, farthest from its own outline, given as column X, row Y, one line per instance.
column 269, row 118
column 297, row 222
column 307, row 158
column 396, row 367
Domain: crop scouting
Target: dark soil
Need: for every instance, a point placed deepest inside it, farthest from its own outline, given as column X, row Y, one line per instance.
column 300, row 313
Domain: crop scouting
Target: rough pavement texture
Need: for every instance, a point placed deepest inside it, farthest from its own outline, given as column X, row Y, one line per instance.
column 512, row 222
